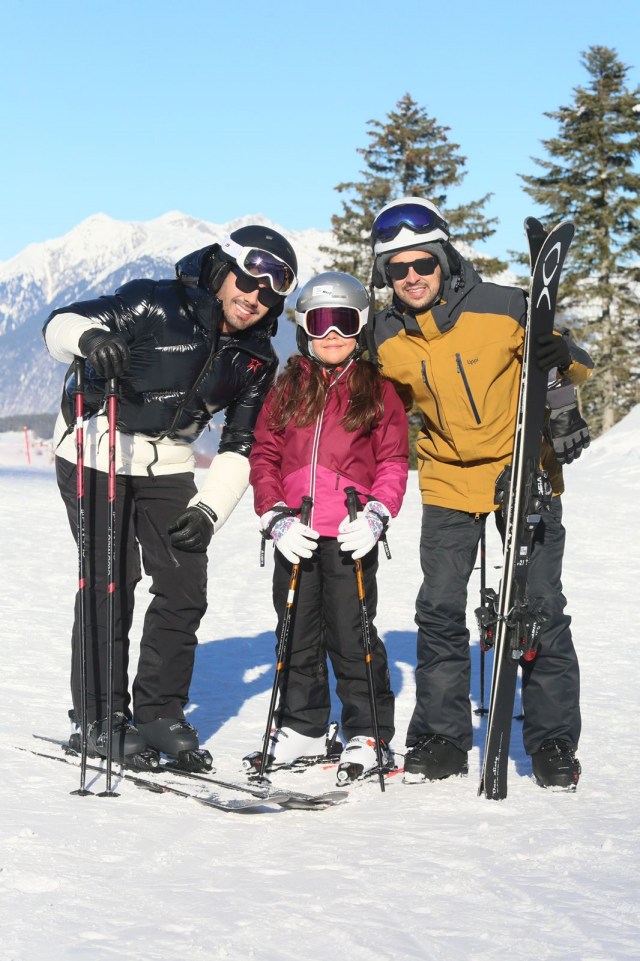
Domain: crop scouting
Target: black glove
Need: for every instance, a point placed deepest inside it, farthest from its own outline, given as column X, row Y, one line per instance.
column 107, row 353
column 552, row 350
column 568, row 432
column 192, row 530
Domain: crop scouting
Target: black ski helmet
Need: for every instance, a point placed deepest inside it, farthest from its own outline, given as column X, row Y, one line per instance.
column 255, row 237
column 221, row 258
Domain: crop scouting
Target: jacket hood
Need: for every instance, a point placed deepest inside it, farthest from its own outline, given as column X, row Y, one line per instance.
column 189, row 267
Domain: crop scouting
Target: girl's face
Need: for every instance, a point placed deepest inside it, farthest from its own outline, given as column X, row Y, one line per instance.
column 332, row 349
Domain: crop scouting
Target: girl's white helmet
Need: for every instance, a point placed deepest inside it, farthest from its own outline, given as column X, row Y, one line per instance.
column 331, row 301
column 345, row 297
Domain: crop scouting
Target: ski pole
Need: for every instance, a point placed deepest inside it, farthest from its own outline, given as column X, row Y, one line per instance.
column 80, row 535
column 111, row 395
column 305, row 514
column 352, row 507
column 482, row 710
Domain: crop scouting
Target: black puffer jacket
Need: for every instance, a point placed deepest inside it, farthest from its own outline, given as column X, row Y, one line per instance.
column 182, row 369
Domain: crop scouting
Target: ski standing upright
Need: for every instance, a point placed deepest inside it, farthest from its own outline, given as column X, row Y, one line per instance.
column 525, row 494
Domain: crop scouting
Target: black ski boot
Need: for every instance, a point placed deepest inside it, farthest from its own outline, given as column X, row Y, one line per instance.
column 433, row 758
column 178, row 739
column 127, row 746
column 556, row 765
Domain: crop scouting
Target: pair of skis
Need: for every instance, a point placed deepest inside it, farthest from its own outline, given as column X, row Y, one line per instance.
column 209, row 790
column 517, row 624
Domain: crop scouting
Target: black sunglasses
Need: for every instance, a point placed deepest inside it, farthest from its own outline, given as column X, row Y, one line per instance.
column 424, row 266
column 266, row 295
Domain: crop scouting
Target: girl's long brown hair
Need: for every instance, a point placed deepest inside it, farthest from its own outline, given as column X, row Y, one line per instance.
column 301, row 390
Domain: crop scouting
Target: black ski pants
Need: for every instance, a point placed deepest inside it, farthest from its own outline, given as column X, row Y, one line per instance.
column 550, row 683
column 145, row 506
column 326, row 621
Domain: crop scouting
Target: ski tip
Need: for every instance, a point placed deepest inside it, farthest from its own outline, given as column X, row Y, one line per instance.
column 533, row 225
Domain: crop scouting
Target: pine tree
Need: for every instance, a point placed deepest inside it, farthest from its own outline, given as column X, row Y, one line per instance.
column 409, row 154
column 591, row 180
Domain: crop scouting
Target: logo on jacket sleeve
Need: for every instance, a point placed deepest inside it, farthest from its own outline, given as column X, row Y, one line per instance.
column 254, row 364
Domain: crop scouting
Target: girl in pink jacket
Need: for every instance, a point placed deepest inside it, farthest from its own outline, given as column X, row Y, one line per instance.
column 331, row 422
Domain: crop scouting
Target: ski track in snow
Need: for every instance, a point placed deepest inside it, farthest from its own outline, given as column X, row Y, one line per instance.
column 421, row 871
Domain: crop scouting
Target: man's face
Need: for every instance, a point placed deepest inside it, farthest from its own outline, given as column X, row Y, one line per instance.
column 240, row 310
column 414, row 290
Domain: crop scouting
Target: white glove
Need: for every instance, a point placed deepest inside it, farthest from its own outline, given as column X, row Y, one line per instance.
column 360, row 536
column 292, row 538
column 296, row 541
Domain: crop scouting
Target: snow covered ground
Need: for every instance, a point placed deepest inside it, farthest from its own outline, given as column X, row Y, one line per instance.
column 423, row 871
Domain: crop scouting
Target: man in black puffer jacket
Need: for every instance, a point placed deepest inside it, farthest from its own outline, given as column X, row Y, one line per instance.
column 181, row 351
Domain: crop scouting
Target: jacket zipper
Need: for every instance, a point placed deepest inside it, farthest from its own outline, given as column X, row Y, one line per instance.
column 316, row 442
column 428, row 386
column 314, row 464
column 467, row 388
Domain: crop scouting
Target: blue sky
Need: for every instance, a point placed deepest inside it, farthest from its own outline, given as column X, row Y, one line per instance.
column 221, row 109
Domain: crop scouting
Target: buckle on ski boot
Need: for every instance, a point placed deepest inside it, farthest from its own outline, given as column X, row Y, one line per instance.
column 194, row 762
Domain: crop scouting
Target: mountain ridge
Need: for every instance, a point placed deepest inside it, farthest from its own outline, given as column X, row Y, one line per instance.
column 94, row 258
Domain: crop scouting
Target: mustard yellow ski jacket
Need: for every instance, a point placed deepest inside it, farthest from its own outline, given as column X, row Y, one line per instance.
column 460, row 364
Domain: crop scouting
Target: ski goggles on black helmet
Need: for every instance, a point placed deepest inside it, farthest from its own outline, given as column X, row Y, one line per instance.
column 346, row 321
column 419, row 219
column 247, row 284
column 262, row 264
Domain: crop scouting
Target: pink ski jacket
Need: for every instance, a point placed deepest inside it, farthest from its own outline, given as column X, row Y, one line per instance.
column 322, row 459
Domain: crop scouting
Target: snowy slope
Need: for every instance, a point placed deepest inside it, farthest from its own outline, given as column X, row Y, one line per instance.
column 428, row 872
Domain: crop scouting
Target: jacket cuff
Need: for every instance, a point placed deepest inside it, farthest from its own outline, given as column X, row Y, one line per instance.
column 562, row 396
column 63, row 333
column 225, row 482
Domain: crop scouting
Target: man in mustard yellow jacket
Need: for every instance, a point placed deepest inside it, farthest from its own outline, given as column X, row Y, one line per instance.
column 453, row 346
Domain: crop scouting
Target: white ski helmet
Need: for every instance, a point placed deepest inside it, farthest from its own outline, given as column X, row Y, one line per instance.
column 409, row 223
column 331, row 301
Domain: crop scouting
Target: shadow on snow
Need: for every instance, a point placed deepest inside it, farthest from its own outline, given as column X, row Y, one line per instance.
column 230, row 671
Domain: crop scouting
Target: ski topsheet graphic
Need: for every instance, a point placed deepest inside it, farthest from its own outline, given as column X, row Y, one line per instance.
column 517, row 622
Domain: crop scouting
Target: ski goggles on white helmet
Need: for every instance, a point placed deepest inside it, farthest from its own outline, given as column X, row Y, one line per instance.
column 346, row 321
column 419, row 219
column 261, row 263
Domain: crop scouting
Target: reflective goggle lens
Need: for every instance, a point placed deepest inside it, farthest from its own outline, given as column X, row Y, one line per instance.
column 389, row 223
column 260, row 263
column 320, row 320
column 424, row 267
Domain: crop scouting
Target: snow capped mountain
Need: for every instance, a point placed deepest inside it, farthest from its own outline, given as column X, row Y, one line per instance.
column 94, row 258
